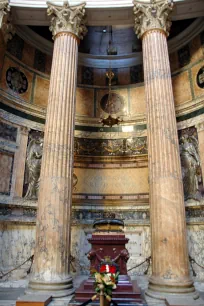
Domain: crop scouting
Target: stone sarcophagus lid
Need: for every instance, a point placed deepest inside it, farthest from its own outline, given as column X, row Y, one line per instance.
column 108, row 244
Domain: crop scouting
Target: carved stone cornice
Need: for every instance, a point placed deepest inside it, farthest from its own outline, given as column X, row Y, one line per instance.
column 200, row 126
column 152, row 16
column 67, row 18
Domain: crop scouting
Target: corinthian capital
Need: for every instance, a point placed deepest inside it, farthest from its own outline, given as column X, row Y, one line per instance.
column 67, row 18
column 4, row 9
column 5, row 20
column 154, row 15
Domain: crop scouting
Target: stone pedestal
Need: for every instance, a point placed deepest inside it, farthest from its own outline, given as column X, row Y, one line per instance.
column 51, row 258
column 170, row 267
column 108, row 245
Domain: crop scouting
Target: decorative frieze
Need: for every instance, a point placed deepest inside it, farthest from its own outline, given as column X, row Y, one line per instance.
column 152, row 16
column 67, row 18
column 110, row 147
column 8, row 132
column 85, row 214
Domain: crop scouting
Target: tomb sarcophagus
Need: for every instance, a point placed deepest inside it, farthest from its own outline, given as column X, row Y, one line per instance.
column 109, row 245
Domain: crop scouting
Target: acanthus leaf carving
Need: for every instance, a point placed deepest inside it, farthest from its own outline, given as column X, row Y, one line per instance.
column 6, row 25
column 67, row 18
column 4, row 9
column 155, row 15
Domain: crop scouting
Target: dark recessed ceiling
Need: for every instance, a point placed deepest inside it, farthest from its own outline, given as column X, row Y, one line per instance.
column 102, row 40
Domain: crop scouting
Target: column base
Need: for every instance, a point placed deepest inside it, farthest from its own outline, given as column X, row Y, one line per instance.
column 54, row 289
column 175, row 295
column 174, row 299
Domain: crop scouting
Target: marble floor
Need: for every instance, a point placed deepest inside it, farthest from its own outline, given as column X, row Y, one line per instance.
column 11, row 290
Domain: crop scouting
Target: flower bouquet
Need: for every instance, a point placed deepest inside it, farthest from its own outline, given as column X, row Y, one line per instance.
column 106, row 279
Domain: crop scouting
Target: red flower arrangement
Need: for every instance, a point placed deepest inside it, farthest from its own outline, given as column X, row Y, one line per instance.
column 106, row 278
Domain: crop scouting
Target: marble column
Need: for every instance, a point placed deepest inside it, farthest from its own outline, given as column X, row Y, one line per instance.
column 170, row 266
column 51, row 258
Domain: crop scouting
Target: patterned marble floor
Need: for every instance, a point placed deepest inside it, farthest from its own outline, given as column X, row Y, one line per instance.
column 11, row 290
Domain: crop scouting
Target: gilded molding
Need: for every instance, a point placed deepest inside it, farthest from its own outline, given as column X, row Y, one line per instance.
column 67, row 18
column 155, row 15
column 68, row 34
column 154, row 31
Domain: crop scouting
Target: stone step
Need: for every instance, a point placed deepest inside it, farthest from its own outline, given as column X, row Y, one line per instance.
column 33, row 300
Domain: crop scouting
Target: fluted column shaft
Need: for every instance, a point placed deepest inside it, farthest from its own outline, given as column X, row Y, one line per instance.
column 55, row 194
column 168, row 228
column 51, row 258
column 170, row 267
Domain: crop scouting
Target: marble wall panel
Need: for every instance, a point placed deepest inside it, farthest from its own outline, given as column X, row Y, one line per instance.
column 101, row 92
column 195, row 246
column 181, row 88
column 39, row 60
column 87, row 75
column 174, row 64
column 16, row 245
column 112, row 181
column 124, row 76
column 29, row 75
column 79, row 74
column 137, row 101
column 28, row 54
column 41, row 91
column 48, row 64
column 15, row 46
column 184, row 56
column 198, row 91
column 138, row 247
column 6, row 168
column 99, row 77
column 136, row 74
column 85, row 102
column 8, row 132
column 80, row 247
column 196, row 49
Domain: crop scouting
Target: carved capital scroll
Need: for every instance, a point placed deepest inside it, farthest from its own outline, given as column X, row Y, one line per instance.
column 154, row 15
column 67, row 18
column 5, row 21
